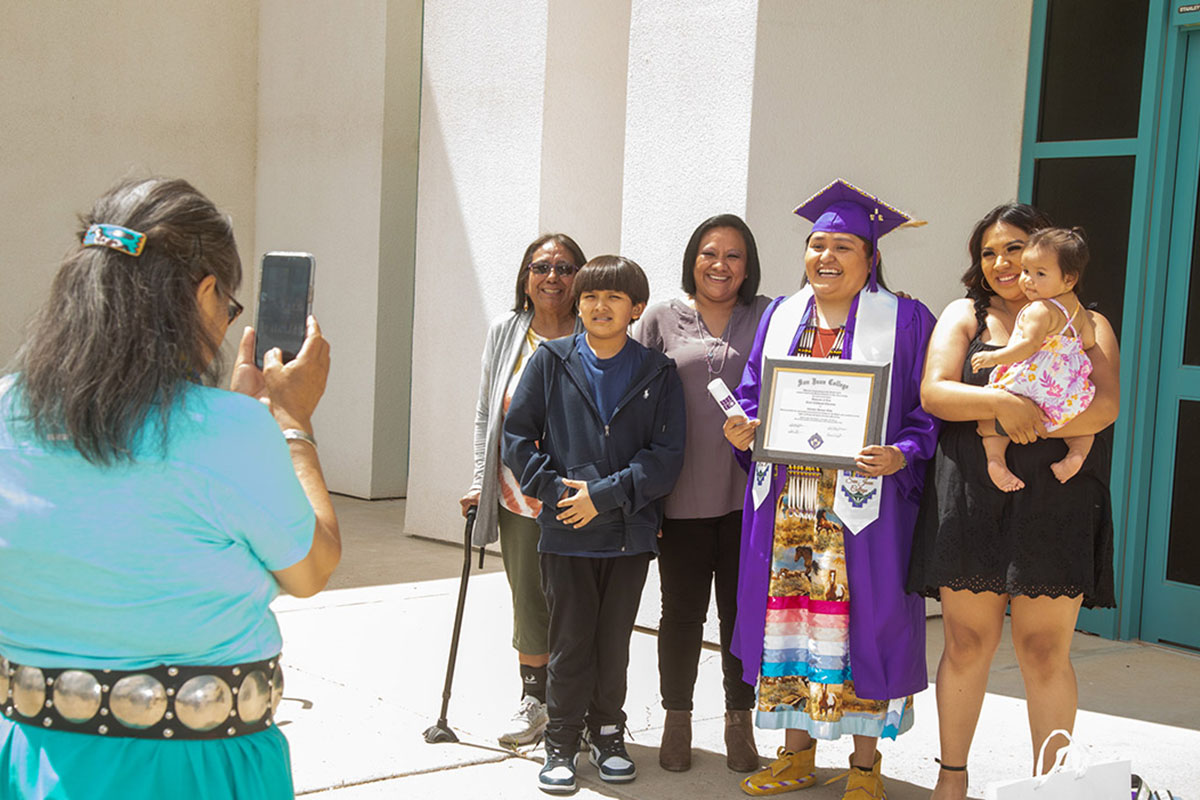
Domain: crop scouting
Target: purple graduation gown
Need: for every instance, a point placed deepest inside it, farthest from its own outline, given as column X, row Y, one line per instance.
column 887, row 625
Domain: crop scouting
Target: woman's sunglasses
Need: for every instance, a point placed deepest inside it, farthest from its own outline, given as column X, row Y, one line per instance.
column 563, row 268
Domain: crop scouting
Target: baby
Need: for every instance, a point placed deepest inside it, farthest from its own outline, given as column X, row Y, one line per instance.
column 1044, row 359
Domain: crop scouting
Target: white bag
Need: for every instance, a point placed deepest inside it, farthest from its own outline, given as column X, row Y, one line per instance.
column 1074, row 776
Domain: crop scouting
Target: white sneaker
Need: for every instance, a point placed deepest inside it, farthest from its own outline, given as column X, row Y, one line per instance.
column 557, row 775
column 528, row 724
column 609, row 756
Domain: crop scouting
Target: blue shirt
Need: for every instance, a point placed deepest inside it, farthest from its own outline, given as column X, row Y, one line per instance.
column 609, row 377
column 167, row 559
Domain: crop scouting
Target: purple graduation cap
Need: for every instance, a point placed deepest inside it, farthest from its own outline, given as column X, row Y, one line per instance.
column 844, row 208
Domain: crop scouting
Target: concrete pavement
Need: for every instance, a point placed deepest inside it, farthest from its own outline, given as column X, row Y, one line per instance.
column 366, row 663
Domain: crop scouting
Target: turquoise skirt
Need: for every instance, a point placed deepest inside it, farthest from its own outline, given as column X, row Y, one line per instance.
column 39, row 763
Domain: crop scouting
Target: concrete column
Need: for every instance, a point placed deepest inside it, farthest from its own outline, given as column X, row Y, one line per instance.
column 583, row 123
column 687, row 132
column 338, row 106
column 397, row 248
column 483, row 84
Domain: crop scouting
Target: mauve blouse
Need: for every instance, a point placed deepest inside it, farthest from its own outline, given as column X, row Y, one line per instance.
column 711, row 483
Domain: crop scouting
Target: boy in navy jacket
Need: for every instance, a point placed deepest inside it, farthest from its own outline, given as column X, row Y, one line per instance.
column 596, row 432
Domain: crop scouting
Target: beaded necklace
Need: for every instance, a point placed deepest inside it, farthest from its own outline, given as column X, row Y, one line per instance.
column 800, row 493
column 810, row 341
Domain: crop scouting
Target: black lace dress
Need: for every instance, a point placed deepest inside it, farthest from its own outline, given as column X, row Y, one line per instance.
column 1048, row 539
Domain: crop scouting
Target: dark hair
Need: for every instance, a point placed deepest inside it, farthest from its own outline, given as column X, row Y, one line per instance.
column 121, row 335
column 613, row 274
column 870, row 251
column 1019, row 215
column 1069, row 245
column 522, row 301
column 749, row 287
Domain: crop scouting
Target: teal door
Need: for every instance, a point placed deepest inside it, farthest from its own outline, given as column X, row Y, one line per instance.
column 1171, row 586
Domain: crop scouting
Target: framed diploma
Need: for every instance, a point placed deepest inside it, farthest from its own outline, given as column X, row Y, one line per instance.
column 819, row 411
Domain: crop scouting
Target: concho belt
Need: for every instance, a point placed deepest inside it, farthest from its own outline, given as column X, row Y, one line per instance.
column 163, row 702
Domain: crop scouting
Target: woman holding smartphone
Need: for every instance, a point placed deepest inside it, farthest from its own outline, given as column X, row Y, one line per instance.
column 150, row 518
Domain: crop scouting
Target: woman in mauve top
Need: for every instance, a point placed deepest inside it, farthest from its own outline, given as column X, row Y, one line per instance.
column 709, row 336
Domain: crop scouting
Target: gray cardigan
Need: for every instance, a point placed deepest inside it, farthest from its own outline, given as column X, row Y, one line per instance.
column 505, row 338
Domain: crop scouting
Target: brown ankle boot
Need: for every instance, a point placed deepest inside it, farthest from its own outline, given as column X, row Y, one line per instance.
column 740, row 753
column 675, row 752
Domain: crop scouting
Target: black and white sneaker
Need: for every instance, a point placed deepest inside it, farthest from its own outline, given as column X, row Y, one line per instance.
column 558, row 773
column 607, row 753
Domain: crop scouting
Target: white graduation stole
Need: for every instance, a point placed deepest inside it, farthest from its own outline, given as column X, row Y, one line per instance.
column 857, row 497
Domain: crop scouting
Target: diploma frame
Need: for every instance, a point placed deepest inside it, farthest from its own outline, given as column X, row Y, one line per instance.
column 820, row 369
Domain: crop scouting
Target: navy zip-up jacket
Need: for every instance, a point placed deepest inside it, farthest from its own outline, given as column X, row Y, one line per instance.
column 553, row 430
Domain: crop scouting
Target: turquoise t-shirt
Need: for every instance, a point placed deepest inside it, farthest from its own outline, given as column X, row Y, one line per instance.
column 164, row 560
column 167, row 559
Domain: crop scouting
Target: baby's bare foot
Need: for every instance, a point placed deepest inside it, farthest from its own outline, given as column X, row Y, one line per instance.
column 1067, row 468
column 1001, row 476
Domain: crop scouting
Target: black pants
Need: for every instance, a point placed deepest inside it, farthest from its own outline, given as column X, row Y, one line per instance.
column 692, row 553
column 593, row 603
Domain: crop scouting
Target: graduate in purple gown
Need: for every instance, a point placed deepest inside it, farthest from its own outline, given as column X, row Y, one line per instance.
column 824, row 626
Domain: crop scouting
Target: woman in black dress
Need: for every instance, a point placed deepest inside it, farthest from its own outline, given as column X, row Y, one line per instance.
column 1047, row 548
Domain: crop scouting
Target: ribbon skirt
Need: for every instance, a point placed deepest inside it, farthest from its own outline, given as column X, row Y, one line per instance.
column 806, row 680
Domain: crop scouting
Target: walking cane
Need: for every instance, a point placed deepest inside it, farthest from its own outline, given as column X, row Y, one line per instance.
column 441, row 731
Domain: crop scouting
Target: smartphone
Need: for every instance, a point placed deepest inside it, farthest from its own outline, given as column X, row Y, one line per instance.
column 285, row 293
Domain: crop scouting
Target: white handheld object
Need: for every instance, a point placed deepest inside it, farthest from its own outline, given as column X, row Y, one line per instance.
column 725, row 399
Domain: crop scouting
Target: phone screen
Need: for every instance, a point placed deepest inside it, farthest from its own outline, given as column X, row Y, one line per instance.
column 284, row 303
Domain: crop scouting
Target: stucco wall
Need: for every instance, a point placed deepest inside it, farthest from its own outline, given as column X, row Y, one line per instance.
column 143, row 89
column 920, row 103
column 732, row 106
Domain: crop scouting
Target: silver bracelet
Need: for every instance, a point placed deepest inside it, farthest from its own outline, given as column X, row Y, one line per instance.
column 297, row 435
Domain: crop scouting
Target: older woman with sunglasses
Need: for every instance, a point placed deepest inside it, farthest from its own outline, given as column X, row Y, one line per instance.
column 148, row 518
column 544, row 308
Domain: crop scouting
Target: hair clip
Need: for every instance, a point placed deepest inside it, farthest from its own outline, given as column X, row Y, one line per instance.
column 114, row 236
